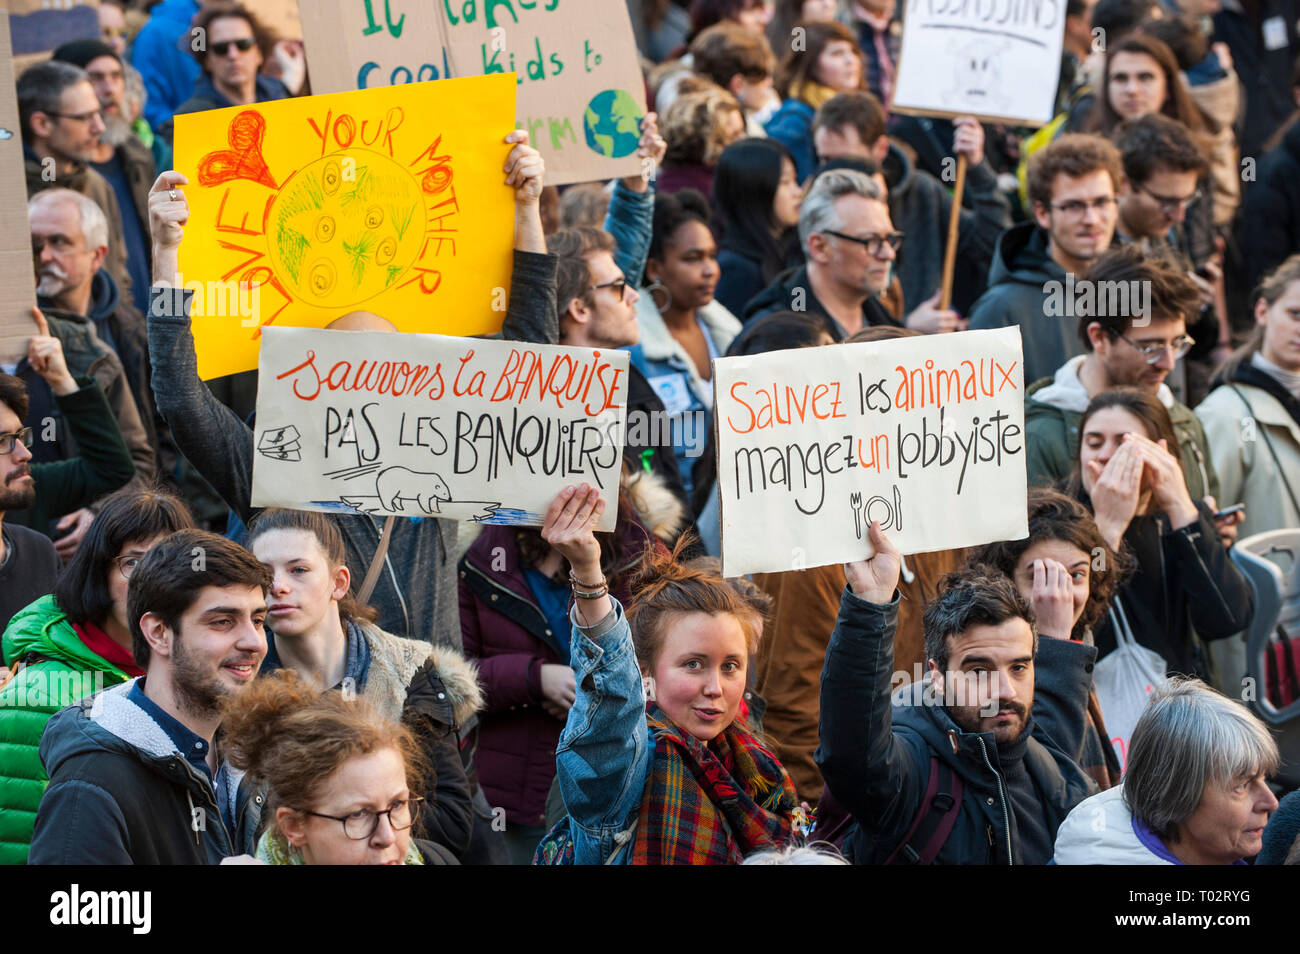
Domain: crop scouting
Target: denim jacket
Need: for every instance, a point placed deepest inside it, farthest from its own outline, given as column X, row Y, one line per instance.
column 630, row 220
column 604, row 754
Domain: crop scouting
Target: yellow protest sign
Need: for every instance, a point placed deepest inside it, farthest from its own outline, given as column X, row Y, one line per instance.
column 391, row 200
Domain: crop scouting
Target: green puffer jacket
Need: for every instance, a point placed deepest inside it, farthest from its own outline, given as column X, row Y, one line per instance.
column 67, row 672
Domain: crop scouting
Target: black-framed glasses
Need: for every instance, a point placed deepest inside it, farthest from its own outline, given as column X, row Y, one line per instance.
column 363, row 823
column 1152, row 352
column 873, row 243
column 89, row 117
column 1077, row 207
column 243, row 45
column 1172, row 206
column 619, row 285
column 126, row 564
column 7, row 440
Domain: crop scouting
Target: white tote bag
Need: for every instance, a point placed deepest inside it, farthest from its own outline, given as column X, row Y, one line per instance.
column 1123, row 680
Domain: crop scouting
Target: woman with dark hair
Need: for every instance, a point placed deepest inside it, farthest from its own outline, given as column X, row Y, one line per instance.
column 757, row 194
column 71, row 643
column 1142, row 77
column 1053, row 569
column 1259, row 388
column 657, row 763
column 828, row 61
column 514, row 612
column 1125, row 474
column 316, row 627
column 682, row 327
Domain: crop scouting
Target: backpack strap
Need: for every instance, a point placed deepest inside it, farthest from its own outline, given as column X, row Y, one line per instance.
column 935, row 819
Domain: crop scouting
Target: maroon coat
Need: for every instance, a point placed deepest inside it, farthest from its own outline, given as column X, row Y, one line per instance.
column 504, row 632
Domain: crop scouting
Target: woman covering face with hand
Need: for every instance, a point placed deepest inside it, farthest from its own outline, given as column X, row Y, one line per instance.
column 656, row 764
column 1135, row 489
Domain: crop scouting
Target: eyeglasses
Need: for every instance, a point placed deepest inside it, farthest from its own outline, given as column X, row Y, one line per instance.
column 619, row 285
column 7, row 440
column 81, row 117
column 1172, row 206
column 126, row 565
column 873, row 243
column 360, row 825
column 1153, row 352
column 1076, row 208
column 243, row 45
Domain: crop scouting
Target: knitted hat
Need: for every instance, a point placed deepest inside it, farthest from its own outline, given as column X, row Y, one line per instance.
column 81, row 52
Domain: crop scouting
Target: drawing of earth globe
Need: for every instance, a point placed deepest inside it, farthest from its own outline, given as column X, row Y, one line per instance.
column 612, row 122
column 345, row 228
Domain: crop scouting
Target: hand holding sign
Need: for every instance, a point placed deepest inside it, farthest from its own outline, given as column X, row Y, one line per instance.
column 525, row 169
column 651, row 151
column 570, row 528
column 875, row 578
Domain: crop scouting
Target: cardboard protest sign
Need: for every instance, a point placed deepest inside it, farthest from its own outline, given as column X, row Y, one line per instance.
column 426, row 425
column 17, row 279
column 924, row 435
column 390, row 200
column 581, row 94
column 38, row 27
column 998, row 61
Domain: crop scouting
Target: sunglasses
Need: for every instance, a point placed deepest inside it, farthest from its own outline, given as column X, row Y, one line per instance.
column 243, row 45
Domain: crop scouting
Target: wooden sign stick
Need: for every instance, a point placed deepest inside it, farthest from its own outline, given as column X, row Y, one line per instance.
column 950, row 251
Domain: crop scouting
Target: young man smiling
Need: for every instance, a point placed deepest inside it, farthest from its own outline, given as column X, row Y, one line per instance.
column 971, row 728
column 135, row 773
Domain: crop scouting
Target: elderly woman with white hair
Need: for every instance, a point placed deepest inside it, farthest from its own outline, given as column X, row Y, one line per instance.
column 1195, row 792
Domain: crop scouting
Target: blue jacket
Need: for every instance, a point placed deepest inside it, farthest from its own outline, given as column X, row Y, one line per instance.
column 875, row 750
column 168, row 69
column 603, row 758
column 630, row 220
column 791, row 126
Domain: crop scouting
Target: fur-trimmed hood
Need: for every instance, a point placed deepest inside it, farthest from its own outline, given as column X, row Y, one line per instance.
column 655, row 504
column 393, row 663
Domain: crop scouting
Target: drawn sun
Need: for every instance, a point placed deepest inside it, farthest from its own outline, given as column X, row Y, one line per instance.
column 340, row 229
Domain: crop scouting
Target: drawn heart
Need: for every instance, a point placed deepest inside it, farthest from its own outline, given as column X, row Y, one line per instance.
column 243, row 160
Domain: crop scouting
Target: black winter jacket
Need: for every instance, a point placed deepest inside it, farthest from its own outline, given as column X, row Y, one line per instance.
column 792, row 291
column 875, row 750
column 121, row 793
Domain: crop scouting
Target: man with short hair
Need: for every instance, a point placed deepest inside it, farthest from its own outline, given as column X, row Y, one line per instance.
column 120, row 157
column 61, row 122
column 992, row 731
column 136, row 775
column 1133, row 335
column 852, row 125
column 742, row 63
column 850, row 246
column 1072, row 187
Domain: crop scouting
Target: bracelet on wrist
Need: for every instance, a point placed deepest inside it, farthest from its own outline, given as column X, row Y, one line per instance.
column 590, row 595
column 574, row 581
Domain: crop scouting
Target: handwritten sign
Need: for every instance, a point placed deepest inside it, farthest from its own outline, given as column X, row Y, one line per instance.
column 996, row 61
column 925, row 435
column 426, row 425
column 388, row 200
column 581, row 94
column 17, row 280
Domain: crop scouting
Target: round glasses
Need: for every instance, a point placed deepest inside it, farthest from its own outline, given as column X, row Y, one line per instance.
column 363, row 823
column 1152, row 352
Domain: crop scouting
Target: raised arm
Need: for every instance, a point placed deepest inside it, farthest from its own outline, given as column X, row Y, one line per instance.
column 530, row 312
column 631, row 207
column 865, row 764
column 603, row 756
column 209, row 434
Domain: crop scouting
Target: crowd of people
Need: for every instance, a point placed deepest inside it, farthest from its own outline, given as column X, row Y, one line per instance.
column 188, row 678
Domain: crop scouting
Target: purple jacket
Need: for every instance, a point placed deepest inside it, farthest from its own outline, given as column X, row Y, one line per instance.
column 505, row 632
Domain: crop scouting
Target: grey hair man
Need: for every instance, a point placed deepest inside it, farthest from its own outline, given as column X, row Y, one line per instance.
column 849, row 245
column 1195, row 790
column 62, row 121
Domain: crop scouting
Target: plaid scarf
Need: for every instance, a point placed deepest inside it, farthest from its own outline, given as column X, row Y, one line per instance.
column 710, row 803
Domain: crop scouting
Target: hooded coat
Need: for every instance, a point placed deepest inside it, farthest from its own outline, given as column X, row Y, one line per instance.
column 121, row 793
column 1248, row 471
column 62, row 670
column 875, row 751
column 1021, row 280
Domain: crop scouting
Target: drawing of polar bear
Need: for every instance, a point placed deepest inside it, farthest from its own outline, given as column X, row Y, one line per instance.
column 395, row 484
